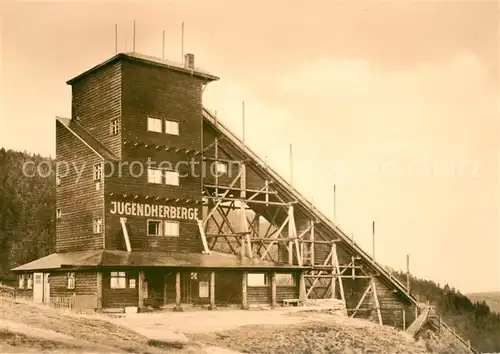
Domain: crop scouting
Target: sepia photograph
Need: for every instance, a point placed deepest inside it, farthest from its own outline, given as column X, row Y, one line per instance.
column 228, row 177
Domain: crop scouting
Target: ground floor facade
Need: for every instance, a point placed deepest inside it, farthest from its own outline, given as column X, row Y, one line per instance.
column 120, row 288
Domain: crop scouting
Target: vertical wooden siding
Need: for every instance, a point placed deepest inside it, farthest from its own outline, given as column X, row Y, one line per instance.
column 77, row 196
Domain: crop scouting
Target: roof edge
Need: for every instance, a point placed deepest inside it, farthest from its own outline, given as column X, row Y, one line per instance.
column 118, row 56
column 61, row 121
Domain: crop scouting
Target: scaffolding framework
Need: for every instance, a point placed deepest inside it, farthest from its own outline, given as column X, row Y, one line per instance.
column 285, row 240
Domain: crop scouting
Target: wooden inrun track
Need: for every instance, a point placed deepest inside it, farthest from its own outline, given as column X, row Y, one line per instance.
column 302, row 233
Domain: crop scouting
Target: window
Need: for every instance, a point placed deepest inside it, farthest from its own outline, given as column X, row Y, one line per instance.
column 154, row 228
column 154, row 124
column 257, row 279
column 21, row 282
column 171, row 228
column 194, row 276
column 97, row 172
column 97, row 225
column 220, row 168
column 171, row 127
column 172, row 178
column 118, row 280
column 29, row 282
column 38, row 278
column 71, row 280
column 58, row 213
column 131, row 283
column 114, row 127
column 154, row 175
column 58, row 180
column 285, row 279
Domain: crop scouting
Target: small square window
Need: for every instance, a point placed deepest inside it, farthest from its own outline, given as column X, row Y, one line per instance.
column 71, row 280
column 97, row 225
column 58, row 213
column 154, row 175
column 171, row 127
column 154, row 228
column 285, row 279
column 97, row 172
column 220, row 168
column 257, row 279
column 154, row 124
column 118, row 280
column 172, row 178
column 171, row 228
column 114, row 127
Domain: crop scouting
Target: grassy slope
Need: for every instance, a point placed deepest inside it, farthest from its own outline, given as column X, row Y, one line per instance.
column 492, row 299
column 25, row 327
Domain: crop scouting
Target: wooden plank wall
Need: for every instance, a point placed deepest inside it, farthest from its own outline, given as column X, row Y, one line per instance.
column 77, row 196
column 188, row 240
column 96, row 101
column 85, row 284
column 119, row 298
column 162, row 93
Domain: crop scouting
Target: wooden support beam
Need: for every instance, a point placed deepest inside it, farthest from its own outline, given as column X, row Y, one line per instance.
column 312, row 245
column 302, row 287
column 212, row 290
column 335, row 261
column 99, row 290
column 404, row 320
column 362, row 299
column 251, row 201
column 165, row 278
column 244, row 300
column 238, row 189
column 273, row 289
column 320, row 242
column 220, row 199
column 375, row 299
column 140, row 290
column 206, row 250
column 338, row 276
column 178, row 292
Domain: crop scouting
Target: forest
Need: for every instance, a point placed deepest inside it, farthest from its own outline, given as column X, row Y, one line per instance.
column 27, row 227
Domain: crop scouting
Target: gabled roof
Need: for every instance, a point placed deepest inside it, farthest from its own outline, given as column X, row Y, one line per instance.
column 167, row 64
column 87, row 138
column 115, row 258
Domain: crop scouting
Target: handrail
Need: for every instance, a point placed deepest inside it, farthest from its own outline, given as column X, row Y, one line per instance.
column 455, row 334
column 239, row 143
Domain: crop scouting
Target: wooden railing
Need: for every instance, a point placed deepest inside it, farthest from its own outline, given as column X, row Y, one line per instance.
column 448, row 329
column 75, row 303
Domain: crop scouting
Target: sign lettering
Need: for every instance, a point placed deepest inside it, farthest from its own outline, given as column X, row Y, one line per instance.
column 153, row 210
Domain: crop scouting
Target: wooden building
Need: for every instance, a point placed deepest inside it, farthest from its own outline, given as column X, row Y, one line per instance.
column 167, row 207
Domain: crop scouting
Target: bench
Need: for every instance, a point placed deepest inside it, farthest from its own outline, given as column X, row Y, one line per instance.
column 287, row 302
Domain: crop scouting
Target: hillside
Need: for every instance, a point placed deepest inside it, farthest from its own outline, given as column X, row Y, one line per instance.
column 27, row 226
column 492, row 299
column 26, row 327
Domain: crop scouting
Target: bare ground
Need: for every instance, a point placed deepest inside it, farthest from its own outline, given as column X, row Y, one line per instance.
column 29, row 328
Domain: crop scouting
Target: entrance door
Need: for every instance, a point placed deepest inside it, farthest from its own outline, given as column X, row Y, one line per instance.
column 37, row 287
column 46, row 288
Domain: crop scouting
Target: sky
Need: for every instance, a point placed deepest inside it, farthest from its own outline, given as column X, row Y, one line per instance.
column 394, row 103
